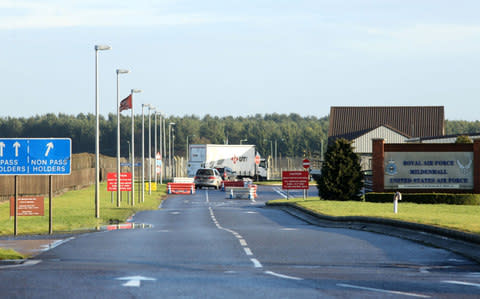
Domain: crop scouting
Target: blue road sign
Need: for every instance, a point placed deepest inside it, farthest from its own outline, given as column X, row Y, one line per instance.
column 35, row 156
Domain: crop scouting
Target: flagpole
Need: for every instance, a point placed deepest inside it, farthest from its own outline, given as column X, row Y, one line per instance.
column 118, row 137
column 133, row 155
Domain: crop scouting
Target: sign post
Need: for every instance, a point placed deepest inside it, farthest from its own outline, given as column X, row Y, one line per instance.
column 35, row 156
column 294, row 180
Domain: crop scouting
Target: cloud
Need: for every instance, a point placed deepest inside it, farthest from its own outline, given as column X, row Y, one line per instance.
column 56, row 14
column 420, row 38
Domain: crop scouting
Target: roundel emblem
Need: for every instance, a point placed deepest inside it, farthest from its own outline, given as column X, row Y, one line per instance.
column 391, row 168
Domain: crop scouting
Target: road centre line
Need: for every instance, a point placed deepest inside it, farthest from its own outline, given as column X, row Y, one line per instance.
column 381, row 290
column 247, row 250
column 256, row 263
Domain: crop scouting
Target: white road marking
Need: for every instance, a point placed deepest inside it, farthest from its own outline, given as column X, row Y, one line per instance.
column 282, row 275
column 251, row 212
column 175, row 213
column 288, row 229
column 134, row 281
column 276, row 189
column 256, row 263
column 59, row 242
column 471, row 284
column 248, row 251
column 243, row 242
column 381, row 290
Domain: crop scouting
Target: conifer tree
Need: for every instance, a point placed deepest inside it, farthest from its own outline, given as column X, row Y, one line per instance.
column 341, row 177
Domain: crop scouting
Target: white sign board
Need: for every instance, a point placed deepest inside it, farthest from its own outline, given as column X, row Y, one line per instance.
column 428, row 170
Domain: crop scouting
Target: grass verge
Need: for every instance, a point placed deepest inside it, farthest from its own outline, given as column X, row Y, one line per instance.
column 460, row 217
column 10, row 254
column 75, row 210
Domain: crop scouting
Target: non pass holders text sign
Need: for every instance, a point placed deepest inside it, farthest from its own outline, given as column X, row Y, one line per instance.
column 35, row 156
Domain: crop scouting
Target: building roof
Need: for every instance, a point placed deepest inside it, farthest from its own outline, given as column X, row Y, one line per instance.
column 414, row 121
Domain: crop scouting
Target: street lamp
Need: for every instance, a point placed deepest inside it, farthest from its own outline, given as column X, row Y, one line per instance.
column 97, row 132
column 160, row 150
column 170, row 147
column 133, row 147
column 143, row 151
column 150, row 108
column 119, row 71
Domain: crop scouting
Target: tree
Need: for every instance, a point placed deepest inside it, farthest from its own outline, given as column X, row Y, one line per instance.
column 463, row 139
column 341, row 177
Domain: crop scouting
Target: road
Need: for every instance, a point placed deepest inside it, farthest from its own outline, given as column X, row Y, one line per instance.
column 206, row 246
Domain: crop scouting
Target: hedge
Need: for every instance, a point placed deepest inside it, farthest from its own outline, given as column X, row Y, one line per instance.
column 427, row 198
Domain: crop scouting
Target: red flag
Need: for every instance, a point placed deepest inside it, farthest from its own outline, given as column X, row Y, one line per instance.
column 126, row 103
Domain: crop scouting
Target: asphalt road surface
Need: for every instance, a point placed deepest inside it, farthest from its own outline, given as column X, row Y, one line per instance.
column 207, row 246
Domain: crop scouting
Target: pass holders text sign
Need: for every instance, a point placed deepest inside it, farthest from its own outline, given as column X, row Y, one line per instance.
column 294, row 180
column 35, row 156
column 125, row 181
column 27, row 206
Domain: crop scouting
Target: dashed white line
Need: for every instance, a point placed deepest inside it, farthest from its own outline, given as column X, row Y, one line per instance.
column 256, row 263
column 381, row 290
column 243, row 242
column 248, row 251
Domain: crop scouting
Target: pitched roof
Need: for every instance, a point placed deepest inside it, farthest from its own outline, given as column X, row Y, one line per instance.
column 414, row 121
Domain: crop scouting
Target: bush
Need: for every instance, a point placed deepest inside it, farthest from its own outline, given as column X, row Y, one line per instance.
column 427, row 198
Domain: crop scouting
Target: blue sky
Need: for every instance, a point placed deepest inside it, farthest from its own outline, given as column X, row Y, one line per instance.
column 229, row 57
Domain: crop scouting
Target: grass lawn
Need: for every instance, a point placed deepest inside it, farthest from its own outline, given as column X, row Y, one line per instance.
column 75, row 210
column 10, row 254
column 459, row 217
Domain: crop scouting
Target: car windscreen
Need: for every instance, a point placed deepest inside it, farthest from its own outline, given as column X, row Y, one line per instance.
column 205, row 172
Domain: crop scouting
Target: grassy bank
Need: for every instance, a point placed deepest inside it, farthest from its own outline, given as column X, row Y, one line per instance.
column 464, row 218
column 75, row 210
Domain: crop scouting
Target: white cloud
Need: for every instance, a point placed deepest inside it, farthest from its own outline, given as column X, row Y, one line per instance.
column 51, row 14
column 421, row 38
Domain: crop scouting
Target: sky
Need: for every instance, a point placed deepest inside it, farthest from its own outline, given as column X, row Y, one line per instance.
column 240, row 57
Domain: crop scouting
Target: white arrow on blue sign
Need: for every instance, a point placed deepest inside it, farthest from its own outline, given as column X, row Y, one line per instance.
column 35, row 156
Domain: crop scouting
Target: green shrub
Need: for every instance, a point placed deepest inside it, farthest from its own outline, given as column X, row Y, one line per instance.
column 341, row 177
column 427, row 198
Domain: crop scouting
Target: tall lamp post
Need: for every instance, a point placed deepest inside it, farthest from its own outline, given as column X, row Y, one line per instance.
column 97, row 132
column 150, row 108
column 133, row 146
column 143, row 152
column 164, row 128
column 160, row 135
column 170, row 148
column 119, row 71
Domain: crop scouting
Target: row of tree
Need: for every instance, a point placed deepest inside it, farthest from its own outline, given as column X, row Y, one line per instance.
column 288, row 135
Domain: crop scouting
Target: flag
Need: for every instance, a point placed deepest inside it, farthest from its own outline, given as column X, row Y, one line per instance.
column 126, row 103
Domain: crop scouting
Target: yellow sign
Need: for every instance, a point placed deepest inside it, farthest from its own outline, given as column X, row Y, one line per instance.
column 154, row 186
